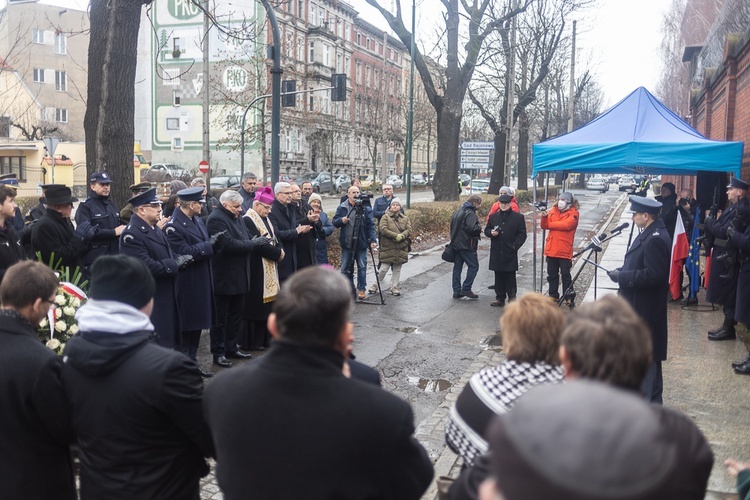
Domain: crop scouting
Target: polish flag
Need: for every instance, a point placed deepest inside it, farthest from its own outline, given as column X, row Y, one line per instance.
column 680, row 249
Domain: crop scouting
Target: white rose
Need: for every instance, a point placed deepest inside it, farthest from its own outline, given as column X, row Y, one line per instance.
column 76, row 302
column 60, row 300
column 60, row 326
column 69, row 311
column 73, row 329
column 44, row 323
column 53, row 343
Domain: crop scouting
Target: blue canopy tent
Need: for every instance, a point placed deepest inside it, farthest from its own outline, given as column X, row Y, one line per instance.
column 637, row 135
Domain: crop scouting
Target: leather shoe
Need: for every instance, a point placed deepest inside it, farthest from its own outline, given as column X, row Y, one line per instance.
column 470, row 295
column 456, row 295
column 722, row 333
column 239, row 355
column 689, row 301
column 498, row 303
column 222, row 361
column 204, row 373
column 491, row 287
column 737, row 364
column 743, row 369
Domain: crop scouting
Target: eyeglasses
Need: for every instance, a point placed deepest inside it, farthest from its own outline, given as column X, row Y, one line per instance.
column 264, row 206
column 285, row 192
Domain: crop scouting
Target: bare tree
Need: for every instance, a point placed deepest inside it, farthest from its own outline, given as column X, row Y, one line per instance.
column 459, row 69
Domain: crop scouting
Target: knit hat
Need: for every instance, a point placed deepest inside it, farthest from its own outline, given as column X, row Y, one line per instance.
column 567, row 197
column 504, row 189
column 315, row 197
column 581, row 440
column 265, row 195
column 396, row 200
column 122, row 278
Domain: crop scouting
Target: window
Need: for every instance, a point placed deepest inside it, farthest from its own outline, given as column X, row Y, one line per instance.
column 61, row 81
column 300, row 8
column 13, row 164
column 37, row 36
column 173, row 124
column 171, row 76
column 313, row 12
column 39, row 75
column 359, row 73
column 322, row 17
column 347, row 65
column 339, row 69
column 175, row 98
column 300, row 49
column 177, row 143
column 367, row 76
column 312, row 52
column 61, row 115
column 326, row 55
column 367, row 43
column 359, row 39
column 177, row 49
column 5, row 126
column 61, row 43
column 311, row 103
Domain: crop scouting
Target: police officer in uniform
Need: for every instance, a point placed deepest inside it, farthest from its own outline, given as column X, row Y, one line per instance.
column 644, row 282
column 741, row 241
column 143, row 239
column 100, row 211
column 195, row 292
column 722, row 282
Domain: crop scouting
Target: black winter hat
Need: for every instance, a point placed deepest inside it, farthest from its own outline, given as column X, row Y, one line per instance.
column 123, row 279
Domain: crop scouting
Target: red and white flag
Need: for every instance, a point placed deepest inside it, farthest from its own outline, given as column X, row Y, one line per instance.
column 680, row 249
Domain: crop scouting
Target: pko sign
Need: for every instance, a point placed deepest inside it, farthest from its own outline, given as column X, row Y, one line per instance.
column 182, row 9
column 235, row 78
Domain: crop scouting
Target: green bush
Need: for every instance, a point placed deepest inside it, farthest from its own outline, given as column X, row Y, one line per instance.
column 26, row 203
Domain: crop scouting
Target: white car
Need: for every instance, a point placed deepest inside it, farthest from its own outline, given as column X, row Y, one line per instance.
column 477, row 186
column 626, row 183
column 597, row 184
column 395, row 181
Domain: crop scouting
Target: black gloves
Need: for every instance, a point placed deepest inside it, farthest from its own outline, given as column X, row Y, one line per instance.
column 183, row 261
column 86, row 231
column 217, row 240
column 259, row 241
column 614, row 275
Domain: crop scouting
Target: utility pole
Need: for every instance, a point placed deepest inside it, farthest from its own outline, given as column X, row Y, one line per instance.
column 511, row 98
column 383, row 117
column 410, row 132
column 206, row 93
column 571, row 97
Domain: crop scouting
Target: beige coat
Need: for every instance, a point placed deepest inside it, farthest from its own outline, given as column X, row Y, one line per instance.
column 392, row 225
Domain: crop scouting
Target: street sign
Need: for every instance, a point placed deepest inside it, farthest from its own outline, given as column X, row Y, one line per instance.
column 203, row 166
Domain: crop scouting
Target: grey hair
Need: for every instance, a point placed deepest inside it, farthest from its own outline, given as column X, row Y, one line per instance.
column 248, row 175
column 230, row 195
column 279, row 186
column 198, row 180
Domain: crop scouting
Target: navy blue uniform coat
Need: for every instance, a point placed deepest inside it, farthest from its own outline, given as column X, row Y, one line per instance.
column 722, row 283
column 644, row 282
column 149, row 245
column 100, row 211
column 195, row 288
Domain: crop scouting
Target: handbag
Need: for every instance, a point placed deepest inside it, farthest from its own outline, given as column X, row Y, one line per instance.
column 449, row 254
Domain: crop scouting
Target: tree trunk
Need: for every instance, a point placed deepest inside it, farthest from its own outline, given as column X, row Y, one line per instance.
column 523, row 150
column 496, row 180
column 109, row 120
column 445, row 185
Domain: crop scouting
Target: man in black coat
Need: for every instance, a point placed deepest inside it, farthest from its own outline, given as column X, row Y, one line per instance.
column 135, row 406
column 101, row 212
column 53, row 235
column 465, row 234
column 143, row 239
column 284, row 217
column 722, row 281
column 11, row 250
column 231, row 275
column 307, row 254
column 187, row 235
column 507, row 230
column 247, row 190
column 36, row 432
column 351, row 439
column 644, row 283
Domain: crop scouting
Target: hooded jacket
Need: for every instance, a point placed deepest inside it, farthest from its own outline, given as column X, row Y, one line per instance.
column 135, row 408
column 562, row 231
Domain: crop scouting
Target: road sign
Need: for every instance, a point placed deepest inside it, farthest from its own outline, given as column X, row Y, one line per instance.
column 203, row 166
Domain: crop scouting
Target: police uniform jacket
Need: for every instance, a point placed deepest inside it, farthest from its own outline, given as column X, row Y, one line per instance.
column 722, row 281
column 100, row 211
column 149, row 245
column 644, row 282
column 53, row 233
column 36, row 435
column 504, row 247
column 231, row 268
column 195, row 288
column 741, row 241
column 11, row 250
column 284, row 220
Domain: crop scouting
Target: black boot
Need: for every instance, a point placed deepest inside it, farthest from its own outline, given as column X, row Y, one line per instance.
column 737, row 364
column 726, row 332
column 744, row 368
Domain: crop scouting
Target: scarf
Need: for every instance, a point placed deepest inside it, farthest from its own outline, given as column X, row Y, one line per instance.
column 270, row 269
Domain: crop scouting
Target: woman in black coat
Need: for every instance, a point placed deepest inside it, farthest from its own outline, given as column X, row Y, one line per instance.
column 264, row 277
column 507, row 230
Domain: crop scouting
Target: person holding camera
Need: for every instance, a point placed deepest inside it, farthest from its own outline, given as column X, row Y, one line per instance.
column 465, row 234
column 354, row 219
column 561, row 221
column 722, row 281
column 395, row 230
column 507, row 232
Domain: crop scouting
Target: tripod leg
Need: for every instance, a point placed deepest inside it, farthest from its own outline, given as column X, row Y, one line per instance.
column 377, row 276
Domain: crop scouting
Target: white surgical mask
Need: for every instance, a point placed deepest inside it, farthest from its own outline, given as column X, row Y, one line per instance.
column 562, row 204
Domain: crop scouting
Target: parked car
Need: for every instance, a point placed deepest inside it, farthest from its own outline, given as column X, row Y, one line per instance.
column 224, row 182
column 162, row 172
column 477, row 186
column 418, row 180
column 395, row 181
column 597, row 183
column 464, row 178
column 342, row 183
column 321, row 181
column 367, row 181
column 626, row 183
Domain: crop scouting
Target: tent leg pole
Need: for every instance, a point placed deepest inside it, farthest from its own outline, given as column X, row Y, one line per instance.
column 544, row 236
column 533, row 241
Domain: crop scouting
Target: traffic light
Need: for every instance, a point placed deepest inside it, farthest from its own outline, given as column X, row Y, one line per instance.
column 338, row 82
column 288, row 87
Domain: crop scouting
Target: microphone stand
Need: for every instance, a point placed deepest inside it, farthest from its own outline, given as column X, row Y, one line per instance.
column 593, row 249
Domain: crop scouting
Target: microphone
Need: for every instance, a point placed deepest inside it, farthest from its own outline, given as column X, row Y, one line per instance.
column 622, row 226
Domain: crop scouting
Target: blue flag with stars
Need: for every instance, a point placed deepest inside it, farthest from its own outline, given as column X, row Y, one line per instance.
column 692, row 264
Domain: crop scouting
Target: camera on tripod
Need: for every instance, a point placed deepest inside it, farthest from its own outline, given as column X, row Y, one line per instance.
column 540, row 205
column 362, row 200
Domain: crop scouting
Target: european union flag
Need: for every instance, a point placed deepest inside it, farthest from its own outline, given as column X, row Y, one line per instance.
column 692, row 264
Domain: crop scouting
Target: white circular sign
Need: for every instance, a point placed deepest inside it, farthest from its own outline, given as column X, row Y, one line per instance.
column 235, row 78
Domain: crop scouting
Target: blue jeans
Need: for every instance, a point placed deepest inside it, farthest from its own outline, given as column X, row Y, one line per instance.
column 347, row 269
column 472, row 264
